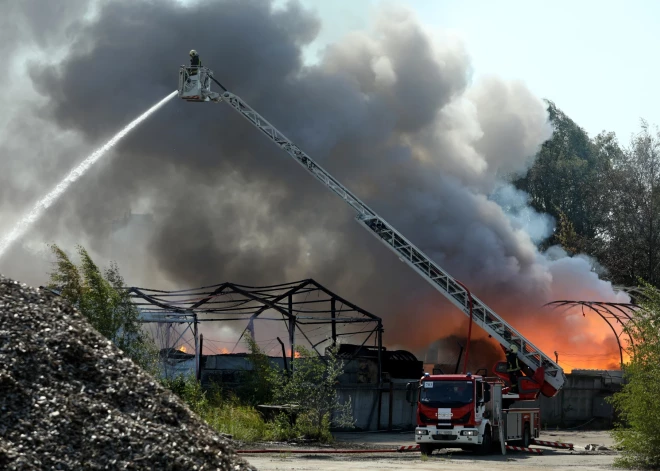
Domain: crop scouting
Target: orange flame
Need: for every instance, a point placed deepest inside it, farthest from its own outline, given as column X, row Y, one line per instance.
column 295, row 353
column 581, row 342
column 223, row 351
column 183, row 349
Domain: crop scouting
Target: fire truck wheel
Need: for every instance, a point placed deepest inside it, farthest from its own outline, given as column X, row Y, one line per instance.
column 527, row 439
column 426, row 449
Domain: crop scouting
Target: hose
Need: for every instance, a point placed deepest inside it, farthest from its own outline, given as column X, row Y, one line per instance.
column 315, row 452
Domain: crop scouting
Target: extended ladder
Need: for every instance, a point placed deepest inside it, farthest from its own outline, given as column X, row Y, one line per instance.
column 483, row 316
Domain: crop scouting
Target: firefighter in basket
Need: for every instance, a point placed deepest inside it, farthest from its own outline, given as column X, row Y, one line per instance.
column 513, row 368
column 195, row 62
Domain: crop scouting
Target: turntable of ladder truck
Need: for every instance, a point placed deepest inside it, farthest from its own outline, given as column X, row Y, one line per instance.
column 474, row 412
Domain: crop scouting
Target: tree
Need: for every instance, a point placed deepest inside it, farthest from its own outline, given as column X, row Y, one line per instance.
column 604, row 197
column 311, row 386
column 638, row 404
column 631, row 228
column 567, row 237
column 257, row 385
column 565, row 176
column 100, row 297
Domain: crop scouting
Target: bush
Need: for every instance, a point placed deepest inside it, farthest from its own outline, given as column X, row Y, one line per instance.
column 101, row 298
column 638, row 404
column 228, row 415
column 311, row 386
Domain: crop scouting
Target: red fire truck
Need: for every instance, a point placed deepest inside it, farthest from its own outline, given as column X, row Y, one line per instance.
column 474, row 412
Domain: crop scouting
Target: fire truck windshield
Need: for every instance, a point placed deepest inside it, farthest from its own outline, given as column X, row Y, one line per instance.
column 446, row 393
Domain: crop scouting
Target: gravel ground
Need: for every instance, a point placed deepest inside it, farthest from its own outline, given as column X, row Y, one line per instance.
column 551, row 460
column 70, row 400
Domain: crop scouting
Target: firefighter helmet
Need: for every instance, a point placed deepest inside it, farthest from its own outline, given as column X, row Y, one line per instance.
column 193, row 53
column 514, row 348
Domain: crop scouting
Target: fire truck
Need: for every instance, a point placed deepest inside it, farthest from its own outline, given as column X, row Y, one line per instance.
column 470, row 411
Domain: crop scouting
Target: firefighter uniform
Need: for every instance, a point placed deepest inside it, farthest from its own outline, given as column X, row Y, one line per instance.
column 513, row 367
column 195, row 62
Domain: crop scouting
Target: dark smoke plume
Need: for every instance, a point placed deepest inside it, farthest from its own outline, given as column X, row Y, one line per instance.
column 390, row 111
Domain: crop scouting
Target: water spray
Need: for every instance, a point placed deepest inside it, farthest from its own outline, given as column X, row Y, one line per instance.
column 44, row 203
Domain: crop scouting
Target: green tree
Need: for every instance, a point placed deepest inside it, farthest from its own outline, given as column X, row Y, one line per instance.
column 256, row 387
column 565, row 177
column 311, row 386
column 100, row 297
column 638, row 404
column 604, row 197
column 631, row 198
column 567, row 237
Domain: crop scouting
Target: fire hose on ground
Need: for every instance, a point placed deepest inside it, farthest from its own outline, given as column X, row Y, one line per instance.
column 400, row 449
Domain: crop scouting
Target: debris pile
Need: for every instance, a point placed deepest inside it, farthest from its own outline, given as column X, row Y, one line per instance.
column 596, row 447
column 70, row 400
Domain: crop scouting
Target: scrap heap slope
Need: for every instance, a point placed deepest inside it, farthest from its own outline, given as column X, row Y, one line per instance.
column 69, row 399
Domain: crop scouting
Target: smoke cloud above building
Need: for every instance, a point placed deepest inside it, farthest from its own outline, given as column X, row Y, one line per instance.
column 391, row 111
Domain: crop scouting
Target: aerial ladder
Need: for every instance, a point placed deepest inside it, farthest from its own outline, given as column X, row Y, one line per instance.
column 548, row 375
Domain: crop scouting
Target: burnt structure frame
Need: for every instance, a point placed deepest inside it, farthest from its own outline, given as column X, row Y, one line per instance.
column 608, row 311
column 215, row 303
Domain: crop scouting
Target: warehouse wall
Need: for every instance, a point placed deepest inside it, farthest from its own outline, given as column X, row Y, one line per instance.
column 582, row 400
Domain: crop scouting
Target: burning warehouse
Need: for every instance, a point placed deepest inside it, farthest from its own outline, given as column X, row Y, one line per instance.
column 309, row 314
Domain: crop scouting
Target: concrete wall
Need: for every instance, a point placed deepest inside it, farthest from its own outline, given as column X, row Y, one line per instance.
column 582, row 401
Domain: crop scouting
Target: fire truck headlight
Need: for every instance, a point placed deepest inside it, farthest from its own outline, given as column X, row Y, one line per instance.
column 422, row 432
column 470, row 433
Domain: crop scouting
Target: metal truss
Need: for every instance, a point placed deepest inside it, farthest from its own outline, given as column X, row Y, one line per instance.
column 298, row 304
column 611, row 313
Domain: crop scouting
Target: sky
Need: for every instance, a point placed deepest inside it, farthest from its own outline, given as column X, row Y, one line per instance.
column 594, row 59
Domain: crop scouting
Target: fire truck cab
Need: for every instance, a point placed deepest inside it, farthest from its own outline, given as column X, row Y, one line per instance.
column 467, row 412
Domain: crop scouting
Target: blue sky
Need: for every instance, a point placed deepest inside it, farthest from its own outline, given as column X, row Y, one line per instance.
column 595, row 59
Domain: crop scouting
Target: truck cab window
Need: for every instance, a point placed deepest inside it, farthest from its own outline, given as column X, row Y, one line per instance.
column 447, row 393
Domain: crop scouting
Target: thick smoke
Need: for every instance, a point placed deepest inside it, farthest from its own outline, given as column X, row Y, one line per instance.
column 391, row 112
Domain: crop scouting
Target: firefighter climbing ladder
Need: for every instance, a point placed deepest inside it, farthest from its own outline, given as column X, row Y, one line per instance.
column 483, row 316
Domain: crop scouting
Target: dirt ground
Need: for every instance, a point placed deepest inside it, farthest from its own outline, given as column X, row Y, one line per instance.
column 577, row 460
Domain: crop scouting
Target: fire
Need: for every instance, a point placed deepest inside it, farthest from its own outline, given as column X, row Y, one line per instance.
column 223, row 351
column 581, row 342
column 183, row 349
column 295, row 354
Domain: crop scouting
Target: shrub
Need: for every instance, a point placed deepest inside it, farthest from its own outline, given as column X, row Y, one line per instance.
column 637, row 435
